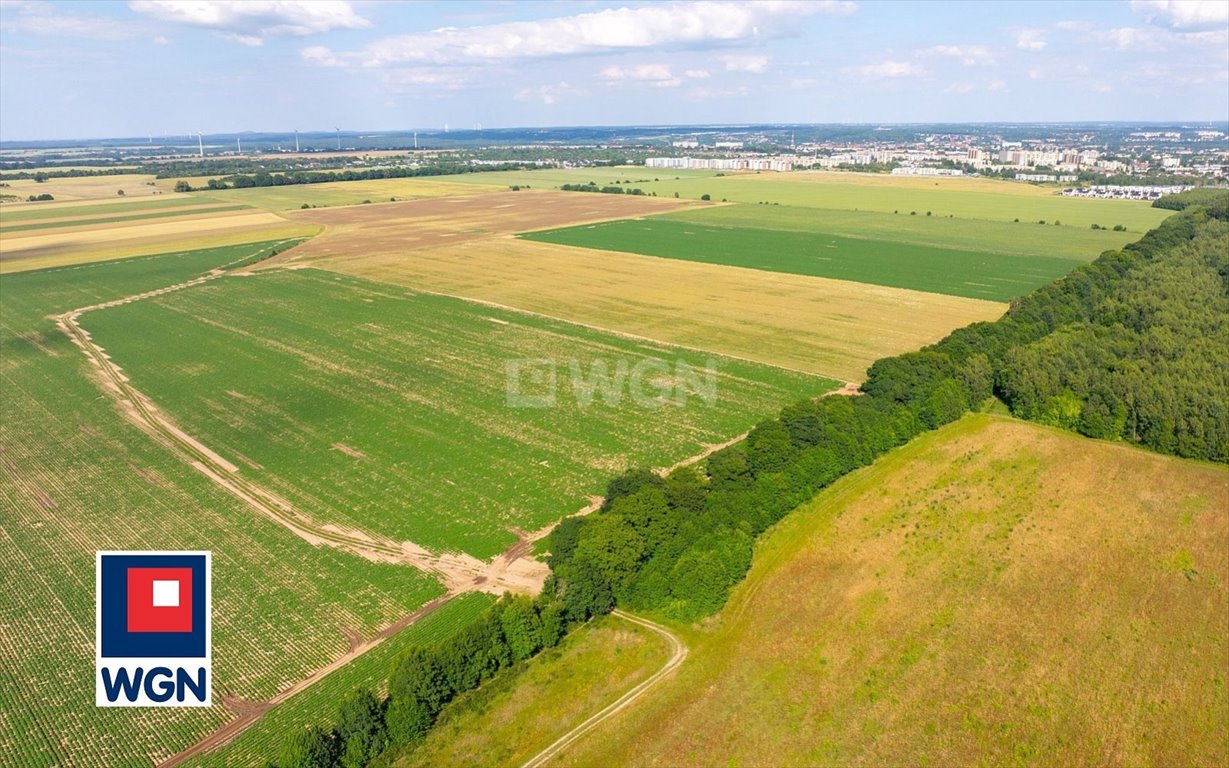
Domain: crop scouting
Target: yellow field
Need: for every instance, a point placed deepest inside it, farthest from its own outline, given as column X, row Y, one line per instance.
column 834, row 328
column 39, row 248
column 83, row 188
column 994, row 593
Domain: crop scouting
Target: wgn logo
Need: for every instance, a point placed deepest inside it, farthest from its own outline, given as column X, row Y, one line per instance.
column 152, row 642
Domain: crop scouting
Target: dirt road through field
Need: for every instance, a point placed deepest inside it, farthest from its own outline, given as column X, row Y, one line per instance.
column 678, row 652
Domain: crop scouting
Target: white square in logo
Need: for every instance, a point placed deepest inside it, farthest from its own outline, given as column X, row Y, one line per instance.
column 166, row 594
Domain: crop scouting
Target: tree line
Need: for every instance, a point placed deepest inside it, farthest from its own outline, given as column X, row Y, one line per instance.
column 1133, row 346
column 289, row 178
column 422, row 681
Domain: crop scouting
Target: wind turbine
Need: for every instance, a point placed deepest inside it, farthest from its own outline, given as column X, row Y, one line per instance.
column 238, row 145
column 296, row 139
column 338, row 138
column 200, row 140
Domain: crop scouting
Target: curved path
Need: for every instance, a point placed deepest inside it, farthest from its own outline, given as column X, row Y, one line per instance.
column 678, row 653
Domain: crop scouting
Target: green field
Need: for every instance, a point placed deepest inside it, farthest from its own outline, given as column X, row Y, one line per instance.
column 263, row 741
column 960, row 197
column 78, row 478
column 373, row 407
column 975, row 275
column 980, row 235
column 992, row 593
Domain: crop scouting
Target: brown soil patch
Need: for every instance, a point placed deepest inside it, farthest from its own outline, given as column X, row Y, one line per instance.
column 349, row 451
column 416, row 224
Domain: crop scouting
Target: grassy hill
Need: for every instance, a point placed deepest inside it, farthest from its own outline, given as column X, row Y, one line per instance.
column 992, row 593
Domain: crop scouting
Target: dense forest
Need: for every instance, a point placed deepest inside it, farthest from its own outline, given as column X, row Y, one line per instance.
column 1132, row 347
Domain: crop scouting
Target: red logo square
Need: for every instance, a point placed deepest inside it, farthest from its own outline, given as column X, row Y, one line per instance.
column 159, row 599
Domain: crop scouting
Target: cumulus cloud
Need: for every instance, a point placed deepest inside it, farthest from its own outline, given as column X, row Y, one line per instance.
column 1132, row 38
column 674, row 25
column 1030, row 40
column 1185, row 14
column 746, row 63
column 890, row 68
column 969, row 55
column 657, row 75
column 547, row 94
column 44, row 19
column 251, row 21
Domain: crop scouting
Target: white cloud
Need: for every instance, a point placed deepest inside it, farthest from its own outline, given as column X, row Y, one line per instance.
column 697, row 74
column 969, row 55
column 45, row 19
column 547, row 94
column 656, row 75
column 251, row 21
column 890, row 69
column 1133, row 38
column 745, row 63
column 1185, row 14
column 1030, row 40
column 705, row 93
column 656, row 26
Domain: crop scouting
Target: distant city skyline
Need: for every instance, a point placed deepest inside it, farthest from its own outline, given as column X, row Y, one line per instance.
column 161, row 67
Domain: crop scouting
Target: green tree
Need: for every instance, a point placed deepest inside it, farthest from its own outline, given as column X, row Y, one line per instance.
column 409, row 720
column 310, row 747
column 417, row 675
column 360, row 728
column 686, row 489
column 522, row 627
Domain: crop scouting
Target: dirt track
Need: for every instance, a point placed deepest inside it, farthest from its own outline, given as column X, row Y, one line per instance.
column 677, row 655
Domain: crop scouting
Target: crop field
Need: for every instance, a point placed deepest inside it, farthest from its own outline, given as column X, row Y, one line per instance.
column 337, row 193
column 974, row 275
column 419, row 224
column 58, row 235
column 959, row 197
column 372, row 407
column 261, row 743
column 981, row 235
column 520, row 713
column 833, row 328
column 83, row 187
column 78, row 477
column 25, row 213
column 551, row 178
column 994, row 590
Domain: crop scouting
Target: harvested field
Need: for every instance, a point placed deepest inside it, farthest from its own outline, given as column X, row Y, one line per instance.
column 83, row 188
column 336, row 193
column 421, row 224
column 832, row 328
column 58, row 246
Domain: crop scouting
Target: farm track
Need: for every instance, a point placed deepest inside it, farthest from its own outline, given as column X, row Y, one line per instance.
column 677, row 655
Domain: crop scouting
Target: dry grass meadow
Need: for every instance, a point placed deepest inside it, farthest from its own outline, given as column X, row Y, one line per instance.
column 995, row 593
column 514, row 717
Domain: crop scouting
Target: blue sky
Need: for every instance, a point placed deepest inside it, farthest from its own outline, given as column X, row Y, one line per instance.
column 90, row 69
